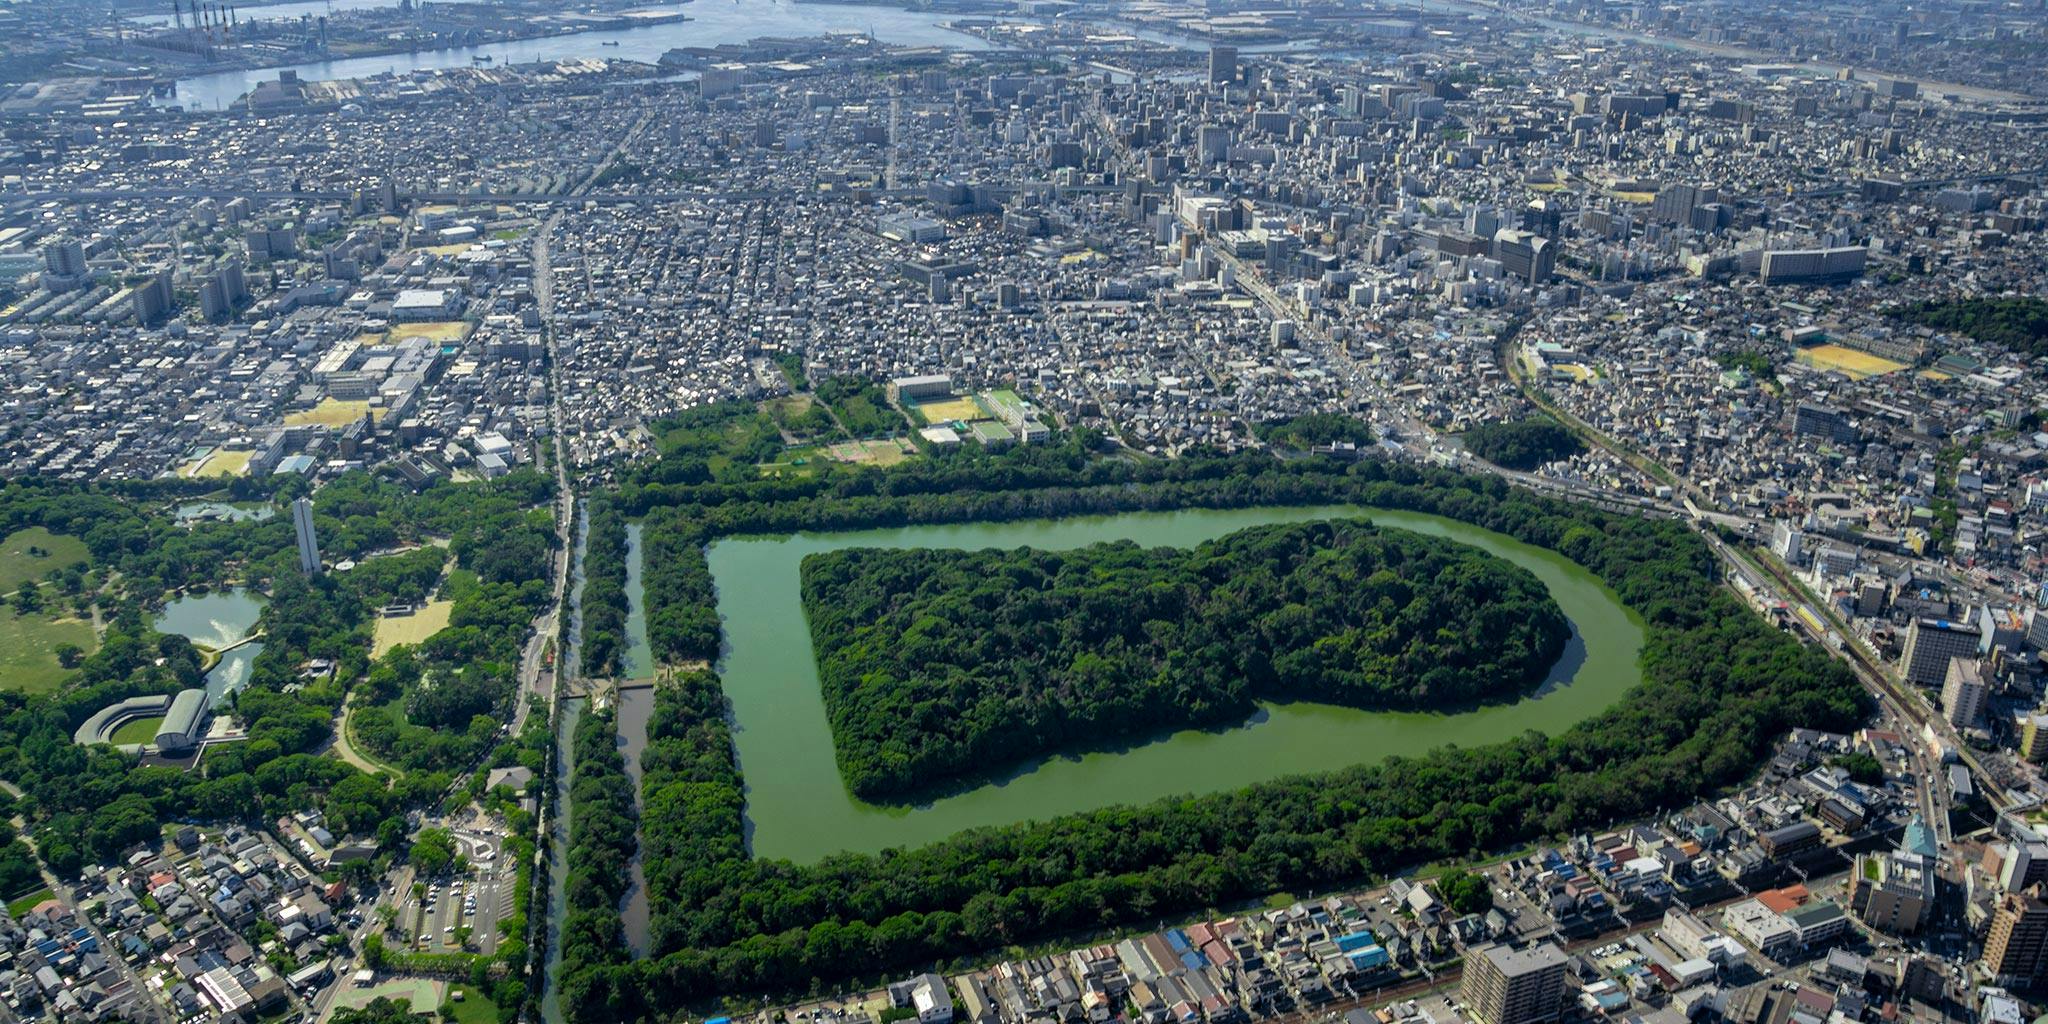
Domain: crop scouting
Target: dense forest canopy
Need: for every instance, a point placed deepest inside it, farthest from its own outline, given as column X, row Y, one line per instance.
column 1320, row 428
column 1522, row 445
column 945, row 666
column 2019, row 324
column 1720, row 685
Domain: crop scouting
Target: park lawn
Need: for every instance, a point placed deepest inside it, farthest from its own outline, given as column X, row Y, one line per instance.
column 142, row 730
column 28, row 650
column 430, row 619
column 16, row 908
column 475, row 1007
column 17, row 566
column 331, row 412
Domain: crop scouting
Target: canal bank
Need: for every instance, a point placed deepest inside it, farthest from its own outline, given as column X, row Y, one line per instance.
column 798, row 806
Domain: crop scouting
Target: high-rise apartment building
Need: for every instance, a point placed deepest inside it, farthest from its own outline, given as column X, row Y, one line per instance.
column 1515, row 986
column 2017, row 945
column 309, row 545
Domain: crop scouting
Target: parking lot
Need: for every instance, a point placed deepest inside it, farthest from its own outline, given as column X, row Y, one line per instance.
column 475, row 900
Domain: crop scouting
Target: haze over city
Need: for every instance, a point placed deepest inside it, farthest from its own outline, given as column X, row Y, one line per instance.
column 1023, row 512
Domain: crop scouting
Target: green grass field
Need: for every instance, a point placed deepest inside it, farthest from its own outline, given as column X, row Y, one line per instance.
column 475, row 1007
column 28, row 650
column 17, row 565
column 142, row 730
column 17, row 907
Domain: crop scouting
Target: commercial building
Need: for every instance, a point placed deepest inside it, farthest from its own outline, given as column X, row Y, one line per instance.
column 1525, row 256
column 1515, row 986
column 1222, row 64
column 1893, row 891
column 1931, row 644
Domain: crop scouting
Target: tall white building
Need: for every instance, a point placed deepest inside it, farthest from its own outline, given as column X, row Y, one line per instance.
column 309, row 546
column 1963, row 693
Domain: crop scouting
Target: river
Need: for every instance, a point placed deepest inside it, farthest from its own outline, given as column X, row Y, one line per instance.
column 799, row 808
column 216, row 620
column 711, row 23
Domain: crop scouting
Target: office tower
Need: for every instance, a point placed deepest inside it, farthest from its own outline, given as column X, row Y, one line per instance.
column 1526, row 256
column 1963, row 693
column 1222, row 64
column 1515, row 986
column 309, row 546
column 1213, row 142
column 1930, row 644
column 2015, row 949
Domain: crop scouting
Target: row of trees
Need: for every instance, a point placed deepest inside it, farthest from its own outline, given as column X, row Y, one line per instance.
column 943, row 666
column 692, row 837
column 601, row 846
column 1720, row 685
column 604, row 589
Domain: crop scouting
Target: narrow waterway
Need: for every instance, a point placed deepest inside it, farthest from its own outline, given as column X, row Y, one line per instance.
column 567, row 714
column 636, row 661
column 798, row 806
column 635, row 706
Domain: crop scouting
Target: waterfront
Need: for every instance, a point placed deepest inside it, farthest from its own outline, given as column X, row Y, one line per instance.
column 711, row 24
column 798, row 806
column 278, row 12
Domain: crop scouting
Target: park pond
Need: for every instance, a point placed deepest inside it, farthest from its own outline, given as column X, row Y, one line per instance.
column 216, row 620
column 799, row 808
